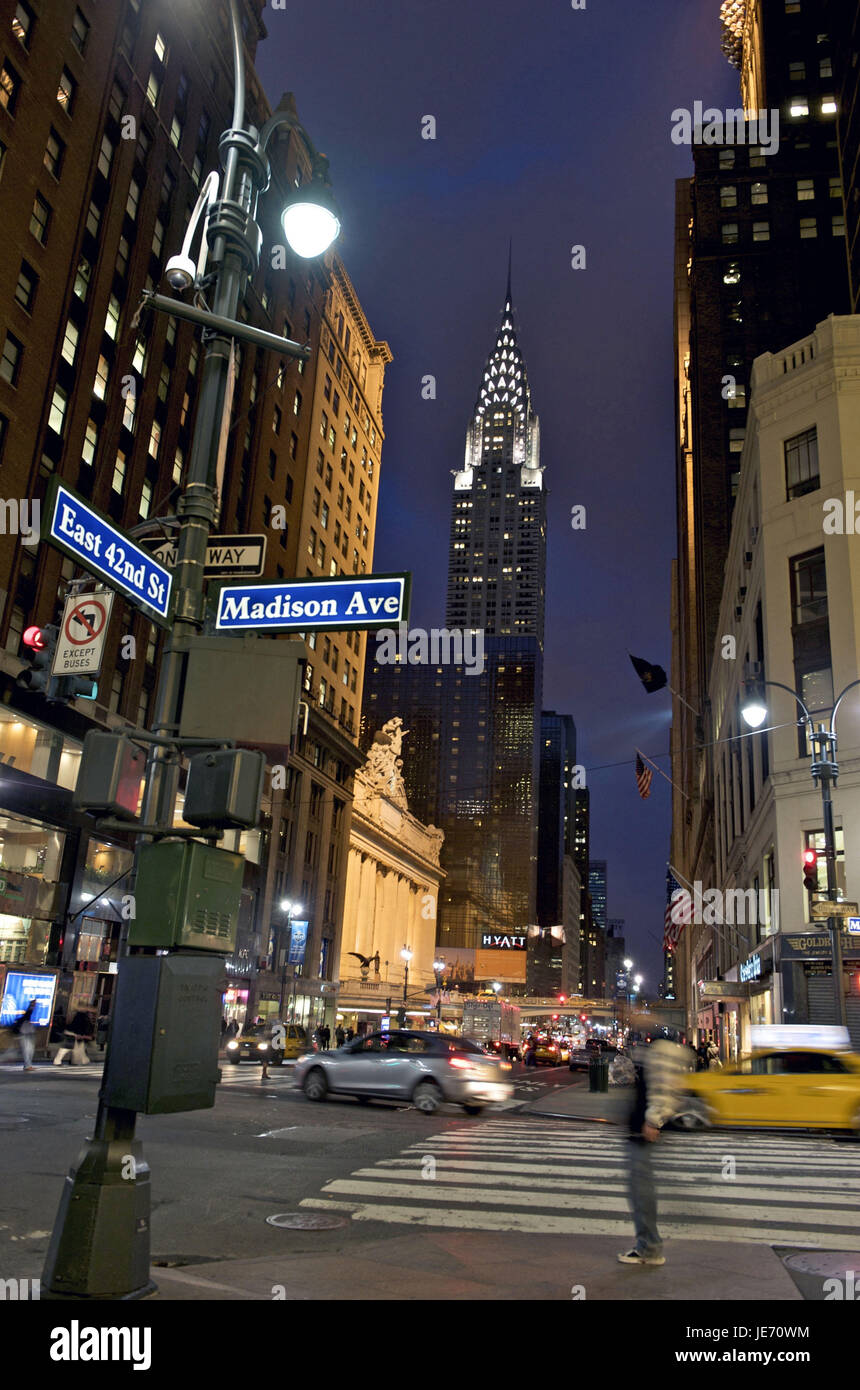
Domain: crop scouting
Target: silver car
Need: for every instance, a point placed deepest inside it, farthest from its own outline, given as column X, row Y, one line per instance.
column 424, row 1068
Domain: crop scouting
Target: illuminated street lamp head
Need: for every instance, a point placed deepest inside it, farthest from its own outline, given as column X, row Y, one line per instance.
column 637, row 979
column 754, row 712
column 628, row 964
column 406, row 954
column 497, row 987
column 310, row 219
column 753, row 707
column 438, row 966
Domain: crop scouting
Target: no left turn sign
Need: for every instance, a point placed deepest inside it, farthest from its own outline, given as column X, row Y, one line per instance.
column 82, row 634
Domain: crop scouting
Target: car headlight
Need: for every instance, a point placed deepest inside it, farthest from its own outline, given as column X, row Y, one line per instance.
column 231, row 1046
column 262, row 1047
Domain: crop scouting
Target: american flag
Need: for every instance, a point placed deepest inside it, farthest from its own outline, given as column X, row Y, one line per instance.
column 643, row 777
column 679, row 912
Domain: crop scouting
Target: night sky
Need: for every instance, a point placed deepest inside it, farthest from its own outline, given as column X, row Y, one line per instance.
column 553, row 128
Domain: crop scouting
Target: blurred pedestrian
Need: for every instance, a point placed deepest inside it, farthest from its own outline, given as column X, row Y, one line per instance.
column 714, row 1063
column 75, row 1036
column 25, row 1030
column 659, row 1070
column 350, row 1034
column 339, row 1035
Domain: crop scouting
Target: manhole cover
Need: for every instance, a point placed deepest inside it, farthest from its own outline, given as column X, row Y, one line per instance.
column 824, row 1264
column 306, row 1221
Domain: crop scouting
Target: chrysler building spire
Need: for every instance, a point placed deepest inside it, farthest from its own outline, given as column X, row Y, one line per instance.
column 505, row 382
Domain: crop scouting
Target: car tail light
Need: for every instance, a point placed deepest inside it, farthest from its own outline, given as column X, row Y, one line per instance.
column 460, row 1063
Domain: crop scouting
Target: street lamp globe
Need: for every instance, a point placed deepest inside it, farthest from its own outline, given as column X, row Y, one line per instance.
column 754, row 712
column 406, row 954
column 285, row 905
column 438, row 966
column 310, row 220
column 637, row 979
column 628, row 964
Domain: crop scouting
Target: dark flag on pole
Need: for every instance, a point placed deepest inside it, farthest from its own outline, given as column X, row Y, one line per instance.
column 652, row 677
column 643, row 777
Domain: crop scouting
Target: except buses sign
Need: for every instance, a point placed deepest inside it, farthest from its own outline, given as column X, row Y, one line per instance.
column 310, row 605
column 75, row 527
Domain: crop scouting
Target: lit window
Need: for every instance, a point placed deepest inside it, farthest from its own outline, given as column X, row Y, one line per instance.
column 70, row 343
column 828, row 106
column 105, row 156
column 118, row 480
column 797, row 71
column 91, row 439
column 758, row 194
column 728, row 199
column 57, row 414
column 82, row 279
column 154, row 439
column 22, row 23
column 112, row 317
column 160, row 48
column 837, row 225
column 10, row 86
column 730, row 233
column 102, row 376
column 799, row 107
column 825, row 67
column 66, row 91
column 129, row 410
column 808, row 228
column 145, row 500
column 761, row 231
column 805, row 190
column 153, row 87
column 133, row 199
column 94, row 218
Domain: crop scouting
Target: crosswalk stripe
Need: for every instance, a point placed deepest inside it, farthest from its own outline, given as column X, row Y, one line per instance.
column 666, row 1175
column 530, row 1156
column 566, row 1201
column 548, row 1224
column 617, row 1184
column 555, row 1181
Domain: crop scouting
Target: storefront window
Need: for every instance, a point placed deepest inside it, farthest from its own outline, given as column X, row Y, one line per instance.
column 38, row 750
column 30, row 856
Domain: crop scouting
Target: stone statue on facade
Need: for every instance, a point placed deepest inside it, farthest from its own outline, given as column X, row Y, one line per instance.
column 383, row 768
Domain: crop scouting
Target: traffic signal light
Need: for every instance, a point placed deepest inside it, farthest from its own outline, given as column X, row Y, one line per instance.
column 77, row 688
column 562, row 999
column 810, row 870
column 41, row 642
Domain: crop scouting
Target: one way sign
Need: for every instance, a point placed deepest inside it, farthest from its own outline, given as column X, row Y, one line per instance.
column 239, row 555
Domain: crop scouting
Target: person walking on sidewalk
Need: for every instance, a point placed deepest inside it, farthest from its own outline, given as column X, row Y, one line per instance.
column 714, row 1063
column 25, row 1029
column 76, row 1034
column 660, row 1068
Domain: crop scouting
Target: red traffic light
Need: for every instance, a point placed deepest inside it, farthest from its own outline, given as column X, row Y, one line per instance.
column 34, row 637
column 810, row 856
column 555, row 1018
column 810, row 869
column 562, row 999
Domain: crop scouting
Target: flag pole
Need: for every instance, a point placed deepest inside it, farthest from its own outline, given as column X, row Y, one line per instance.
column 663, row 774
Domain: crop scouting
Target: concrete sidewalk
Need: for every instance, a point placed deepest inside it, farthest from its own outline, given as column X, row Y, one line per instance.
column 476, row 1266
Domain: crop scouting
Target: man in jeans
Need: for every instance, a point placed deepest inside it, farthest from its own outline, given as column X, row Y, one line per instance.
column 659, row 1068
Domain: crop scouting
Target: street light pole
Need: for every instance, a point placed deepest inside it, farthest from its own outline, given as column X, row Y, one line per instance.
column 825, row 772
column 100, row 1245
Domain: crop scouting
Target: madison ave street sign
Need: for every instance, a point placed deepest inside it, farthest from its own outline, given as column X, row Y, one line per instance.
column 225, row 555
column 312, row 605
column 89, row 538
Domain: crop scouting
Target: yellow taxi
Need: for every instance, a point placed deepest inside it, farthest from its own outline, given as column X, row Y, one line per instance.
column 796, row 1077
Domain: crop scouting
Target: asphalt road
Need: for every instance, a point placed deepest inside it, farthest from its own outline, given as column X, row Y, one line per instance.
column 216, row 1175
